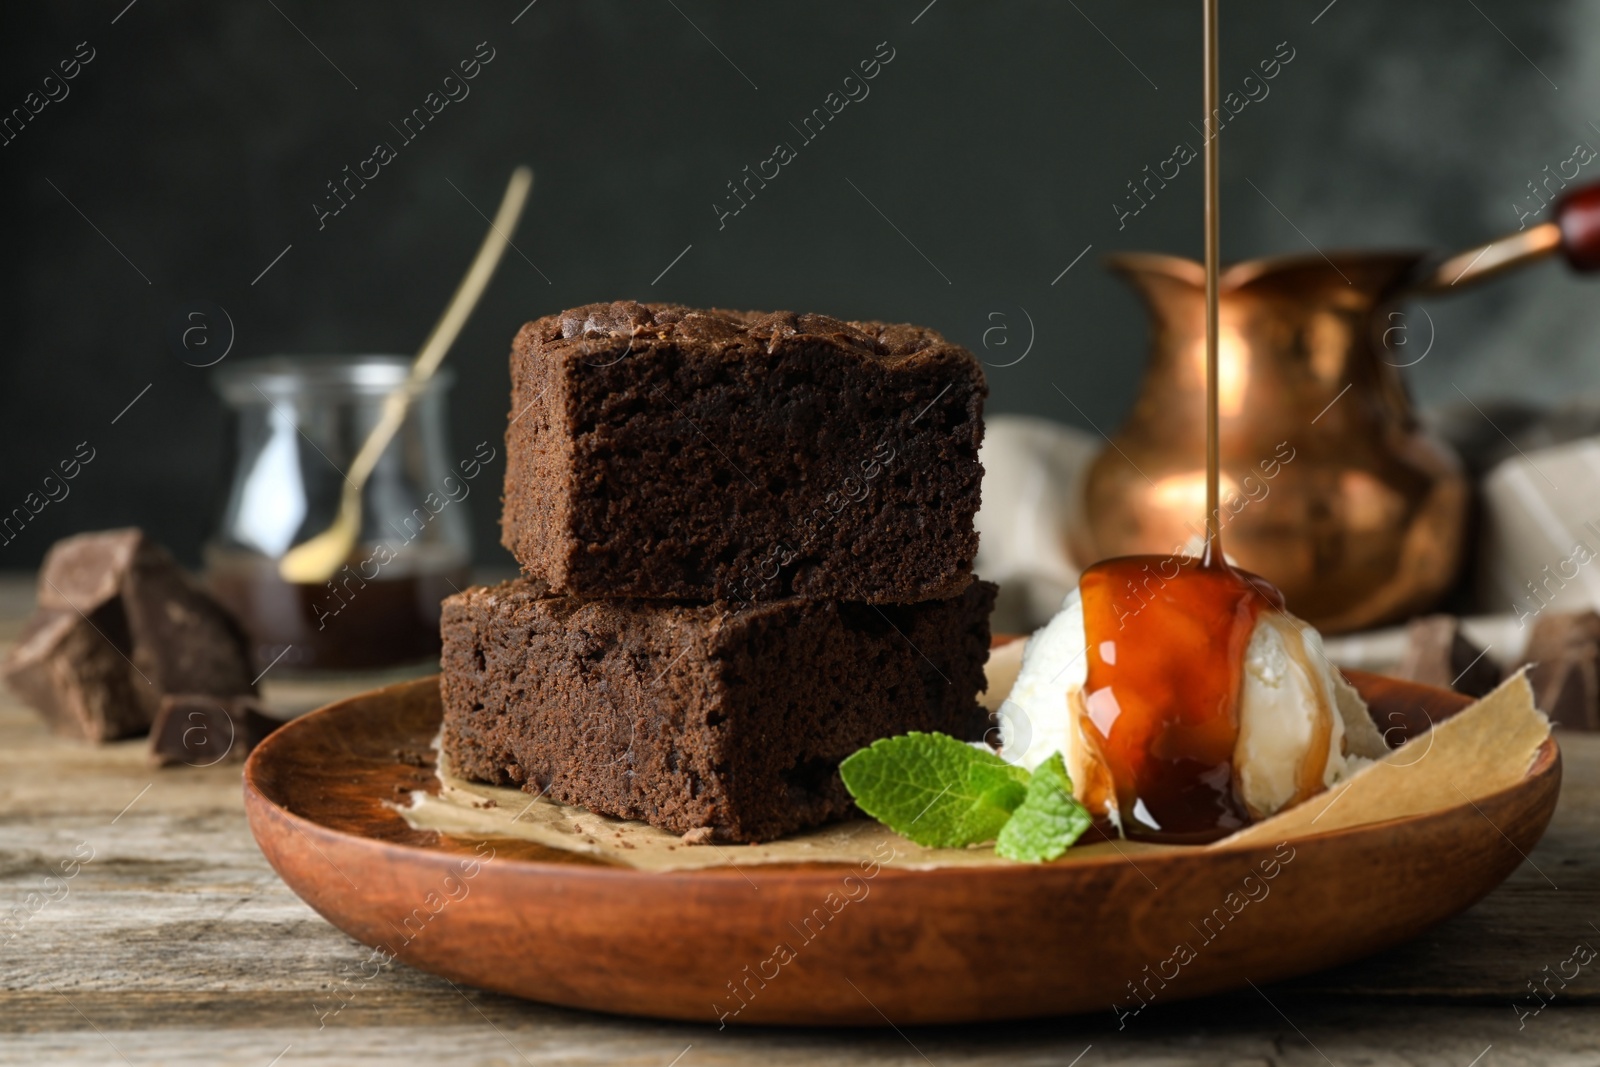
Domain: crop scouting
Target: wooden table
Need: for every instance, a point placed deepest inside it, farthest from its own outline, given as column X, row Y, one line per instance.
column 177, row 944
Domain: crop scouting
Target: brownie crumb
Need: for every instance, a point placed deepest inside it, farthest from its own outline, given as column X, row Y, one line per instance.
column 700, row 835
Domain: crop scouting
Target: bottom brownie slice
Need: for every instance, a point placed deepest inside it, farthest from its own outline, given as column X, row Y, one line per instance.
column 688, row 716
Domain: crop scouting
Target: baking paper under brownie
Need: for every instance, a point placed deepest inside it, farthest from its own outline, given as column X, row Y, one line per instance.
column 689, row 716
column 660, row 451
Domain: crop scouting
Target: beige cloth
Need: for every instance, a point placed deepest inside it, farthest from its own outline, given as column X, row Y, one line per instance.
column 1541, row 527
column 1031, row 488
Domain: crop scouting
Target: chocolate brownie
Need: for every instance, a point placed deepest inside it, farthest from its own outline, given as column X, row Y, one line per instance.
column 661, row 451
column 694, row 715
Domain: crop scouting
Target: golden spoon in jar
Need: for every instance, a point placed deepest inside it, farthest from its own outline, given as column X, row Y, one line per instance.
column 319, row 558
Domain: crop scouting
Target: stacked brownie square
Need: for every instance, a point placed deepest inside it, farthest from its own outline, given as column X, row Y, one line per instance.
column 746, row 542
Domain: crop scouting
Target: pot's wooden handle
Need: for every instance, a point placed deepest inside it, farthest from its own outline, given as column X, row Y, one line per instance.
column 1578, row 215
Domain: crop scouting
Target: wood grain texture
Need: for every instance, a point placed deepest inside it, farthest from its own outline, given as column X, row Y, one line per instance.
column 181, row 946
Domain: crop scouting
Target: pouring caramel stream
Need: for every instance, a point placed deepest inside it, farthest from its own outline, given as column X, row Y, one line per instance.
column 1167, row 635
column 1213, row 263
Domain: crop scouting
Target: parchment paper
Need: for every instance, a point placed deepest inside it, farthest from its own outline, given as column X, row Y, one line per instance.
column 1482, row 750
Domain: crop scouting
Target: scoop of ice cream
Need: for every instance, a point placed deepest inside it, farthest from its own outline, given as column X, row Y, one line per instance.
column 1302, row 727
column 1034, row 718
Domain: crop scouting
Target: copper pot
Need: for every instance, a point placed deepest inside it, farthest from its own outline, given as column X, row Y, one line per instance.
column 1330, row 488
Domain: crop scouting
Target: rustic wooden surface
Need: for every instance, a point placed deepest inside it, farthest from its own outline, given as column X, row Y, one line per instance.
column 177, row 944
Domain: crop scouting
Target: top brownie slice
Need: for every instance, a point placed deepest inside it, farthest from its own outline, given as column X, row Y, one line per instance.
column 660, row 451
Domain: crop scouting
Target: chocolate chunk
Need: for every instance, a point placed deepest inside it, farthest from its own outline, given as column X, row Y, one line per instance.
column 199, row 730
column 183, row 640
column 72, row 670
column 119, row 624
column 1440, row 655
column 1563, row 655
column 81, row 573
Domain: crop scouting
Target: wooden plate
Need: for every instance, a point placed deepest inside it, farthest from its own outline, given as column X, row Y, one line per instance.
column 941, row 946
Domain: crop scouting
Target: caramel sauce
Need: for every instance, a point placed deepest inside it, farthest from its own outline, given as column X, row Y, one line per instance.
column 1167, row 635
column 1167, row 638
column 1158, row 718
column 351, row 626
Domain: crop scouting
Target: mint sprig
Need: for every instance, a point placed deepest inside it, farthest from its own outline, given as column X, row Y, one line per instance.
column 1049, row 820
column 943, row 793
column 934, row 789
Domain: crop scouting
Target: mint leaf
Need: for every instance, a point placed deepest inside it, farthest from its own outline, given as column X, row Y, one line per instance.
column 1049, row 819
column 933, row 789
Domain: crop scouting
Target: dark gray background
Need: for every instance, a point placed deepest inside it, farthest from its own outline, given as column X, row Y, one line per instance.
column 996, row 141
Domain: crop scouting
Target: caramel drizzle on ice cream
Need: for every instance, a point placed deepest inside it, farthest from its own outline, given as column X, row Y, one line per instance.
column 1160, row 706
column 1158, row 717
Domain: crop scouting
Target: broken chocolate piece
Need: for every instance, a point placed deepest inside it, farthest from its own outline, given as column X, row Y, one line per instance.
column 118, row 625
column 200, row 730
column 1440, row 655
column 83, row 572
column 1563, row 656
column 183, row 640
column 71, row 669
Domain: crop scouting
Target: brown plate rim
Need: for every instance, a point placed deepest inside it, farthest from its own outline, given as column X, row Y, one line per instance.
column 1546, row 761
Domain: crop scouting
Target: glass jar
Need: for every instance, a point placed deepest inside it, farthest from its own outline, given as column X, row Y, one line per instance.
column 300, row 422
